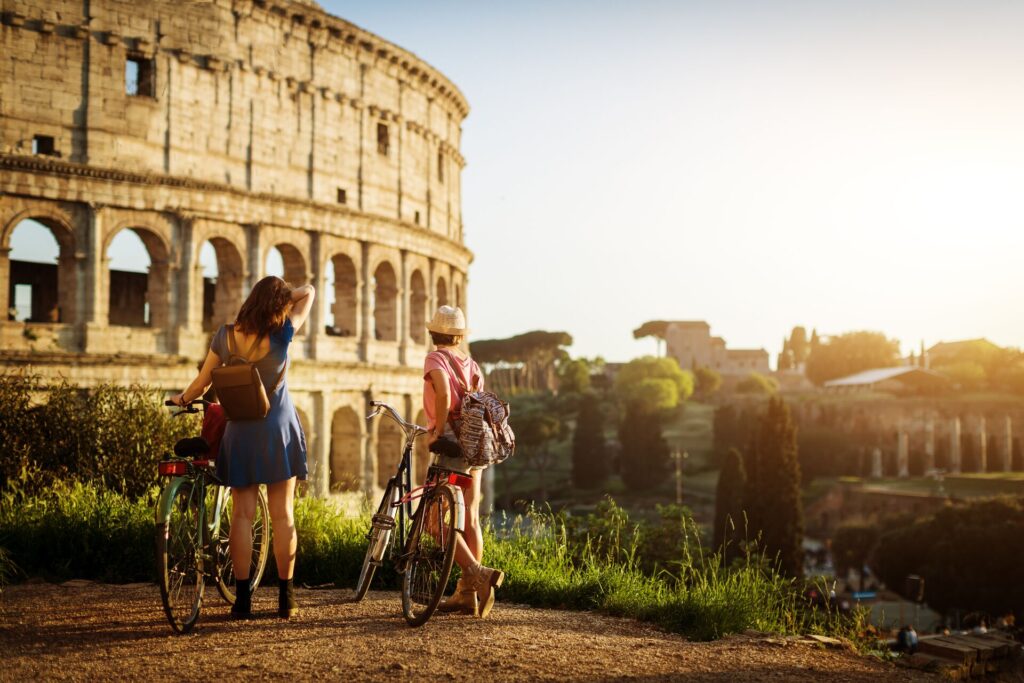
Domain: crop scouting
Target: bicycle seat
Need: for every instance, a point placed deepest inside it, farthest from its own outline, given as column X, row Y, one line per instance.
column 189, row 448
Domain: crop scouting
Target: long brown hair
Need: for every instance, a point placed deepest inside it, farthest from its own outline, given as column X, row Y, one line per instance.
column 264, row 309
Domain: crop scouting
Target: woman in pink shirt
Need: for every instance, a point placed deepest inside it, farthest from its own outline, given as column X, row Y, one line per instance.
column 442, row 399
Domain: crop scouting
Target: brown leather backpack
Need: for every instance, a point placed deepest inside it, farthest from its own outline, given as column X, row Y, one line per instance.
column 239, row 386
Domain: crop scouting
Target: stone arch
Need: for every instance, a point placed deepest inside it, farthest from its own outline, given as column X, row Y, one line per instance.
column 295, row 272
column 389, row 449
column 222, row 296
column 420, row 454
column 124, row 306
column 417, row 307
column 442, row 293
column 53, row 285
column 385, row 302
column 345, row 286
column 458, row 297
column 346, row 451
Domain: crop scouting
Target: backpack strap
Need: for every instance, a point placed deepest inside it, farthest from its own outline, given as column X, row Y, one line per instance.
column 233, row 350
column 458, row 374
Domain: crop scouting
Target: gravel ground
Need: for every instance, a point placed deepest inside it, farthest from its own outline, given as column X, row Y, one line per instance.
column 87, row 631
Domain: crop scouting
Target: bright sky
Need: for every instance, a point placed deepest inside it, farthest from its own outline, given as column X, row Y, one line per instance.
column 841, row 165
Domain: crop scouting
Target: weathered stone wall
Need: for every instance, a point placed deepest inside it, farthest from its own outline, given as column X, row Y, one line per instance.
column 253, row 125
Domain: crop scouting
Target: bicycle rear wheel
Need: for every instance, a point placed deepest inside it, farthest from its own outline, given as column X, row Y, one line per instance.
column 179, row 547
column 429, row 554
column 260, row 547
column 381, row 529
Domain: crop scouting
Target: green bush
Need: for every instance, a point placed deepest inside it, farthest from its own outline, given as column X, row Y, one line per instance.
column 108, row 435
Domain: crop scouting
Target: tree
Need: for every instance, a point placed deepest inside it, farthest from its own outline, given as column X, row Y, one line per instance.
column 772, row 494
column 537, row 425
column 849, row 353
column 523, row 363
column 645, row 455
column 654, row 384
column 589, row 451
column 756, row 383
column 729, row 522
column 574, row 376
column 707, row 380
column 799, row 345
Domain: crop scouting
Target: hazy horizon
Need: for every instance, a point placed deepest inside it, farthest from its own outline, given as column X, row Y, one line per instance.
column 843, row 165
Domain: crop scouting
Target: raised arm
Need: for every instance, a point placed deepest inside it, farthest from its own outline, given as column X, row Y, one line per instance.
column 302, row 304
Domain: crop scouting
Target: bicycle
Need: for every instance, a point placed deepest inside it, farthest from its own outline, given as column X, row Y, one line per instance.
column 193, row 528
column 428, row 549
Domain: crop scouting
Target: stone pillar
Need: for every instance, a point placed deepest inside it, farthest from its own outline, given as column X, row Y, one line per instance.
column 318, row 278
column 876, row 463
column 188, row 300
column 929, row 445
column 1007, row 444
column 982, row 445
column 404, row 291
column 370, row 451
column 256, row 265
column 320, row 449
column 954, row 446
column 366, row 312
column 903, row 454
column 96, row 275
column 5, row 279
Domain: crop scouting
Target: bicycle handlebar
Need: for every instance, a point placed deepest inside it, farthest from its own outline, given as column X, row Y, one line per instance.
column 190, row 407
column 409, row 428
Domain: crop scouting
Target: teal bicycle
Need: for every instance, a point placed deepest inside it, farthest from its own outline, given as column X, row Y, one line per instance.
column 193, row 527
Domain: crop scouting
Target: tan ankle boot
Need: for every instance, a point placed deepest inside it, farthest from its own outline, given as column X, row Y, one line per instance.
column 486, row 580
column 464, row 599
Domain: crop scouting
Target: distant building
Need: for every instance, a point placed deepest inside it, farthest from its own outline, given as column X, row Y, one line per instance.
column 903, row 379
column 691, row 344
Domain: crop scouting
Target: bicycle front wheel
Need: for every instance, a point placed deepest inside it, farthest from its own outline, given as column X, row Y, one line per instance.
column 260, row 547
column 381, row 529
column 179, row 548
column 429, row 554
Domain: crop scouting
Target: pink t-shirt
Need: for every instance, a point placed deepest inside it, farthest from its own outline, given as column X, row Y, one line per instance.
column 466, row 367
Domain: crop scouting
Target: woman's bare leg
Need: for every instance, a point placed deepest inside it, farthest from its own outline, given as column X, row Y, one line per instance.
column 281, row 500
column 243, row 511
column 469, row 549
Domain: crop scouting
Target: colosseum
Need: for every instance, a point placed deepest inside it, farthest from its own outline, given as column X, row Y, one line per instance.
column 224, row 137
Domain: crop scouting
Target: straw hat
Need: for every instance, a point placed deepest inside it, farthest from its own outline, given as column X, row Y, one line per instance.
column 449, row 320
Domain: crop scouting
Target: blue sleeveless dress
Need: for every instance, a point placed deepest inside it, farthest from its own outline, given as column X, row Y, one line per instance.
column 272, row 449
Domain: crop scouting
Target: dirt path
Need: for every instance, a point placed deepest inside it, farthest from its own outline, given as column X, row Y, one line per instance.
column 89, row 631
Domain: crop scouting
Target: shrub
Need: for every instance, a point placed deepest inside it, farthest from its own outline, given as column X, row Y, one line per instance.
column 756, row 383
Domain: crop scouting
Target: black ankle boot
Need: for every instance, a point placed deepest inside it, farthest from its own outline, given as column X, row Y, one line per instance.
column 242, row 609
column 286, row 605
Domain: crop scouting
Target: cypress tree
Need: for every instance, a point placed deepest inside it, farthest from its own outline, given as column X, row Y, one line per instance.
column 645, row 455
column 729, row 522
column 589, row 454
column 772, row 494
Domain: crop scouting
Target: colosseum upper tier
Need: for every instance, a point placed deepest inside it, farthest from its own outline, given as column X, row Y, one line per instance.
column 245, row 126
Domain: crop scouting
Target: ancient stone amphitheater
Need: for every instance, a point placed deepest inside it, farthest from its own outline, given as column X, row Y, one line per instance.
column 241, row 126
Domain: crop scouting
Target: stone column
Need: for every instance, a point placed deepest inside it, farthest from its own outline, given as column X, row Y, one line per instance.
column 982, row 444
column 370, row 450
column 366, row 310
column 255, row 265
column 903, row 454
column 403, row 309
column 5, row 279
column 929, row 445
column 1007, row 444
column 188, row 300
column 954, row 446
column 876, row 463
column 320, row 449
column 96, row 276
column 318, row 278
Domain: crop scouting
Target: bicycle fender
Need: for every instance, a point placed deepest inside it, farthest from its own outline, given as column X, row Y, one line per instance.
column 163, row 506
column 460, row 508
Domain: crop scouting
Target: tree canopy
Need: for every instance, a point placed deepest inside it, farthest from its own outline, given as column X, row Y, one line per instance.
column 651, row 328
column 850, row 353
column 527, row 360
column 654, row 384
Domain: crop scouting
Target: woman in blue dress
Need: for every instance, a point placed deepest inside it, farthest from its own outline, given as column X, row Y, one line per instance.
column 270, row 451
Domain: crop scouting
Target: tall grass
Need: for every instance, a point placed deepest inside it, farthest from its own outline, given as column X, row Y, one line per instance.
column 76, row 530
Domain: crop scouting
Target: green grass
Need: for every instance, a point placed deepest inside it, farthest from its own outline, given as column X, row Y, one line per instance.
column 81, row 531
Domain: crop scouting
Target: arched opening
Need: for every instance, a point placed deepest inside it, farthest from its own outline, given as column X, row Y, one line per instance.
column 222, row 282
column 137, row 285
column 286, row 262
column 346, row 451
column 417, row 307
column 420, row 453
column 389, row 449
column 40, row 289
column 442, row 292
column 342, row 297
column 385, row 303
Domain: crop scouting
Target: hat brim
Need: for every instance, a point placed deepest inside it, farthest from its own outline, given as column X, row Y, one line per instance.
column 462, row 332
